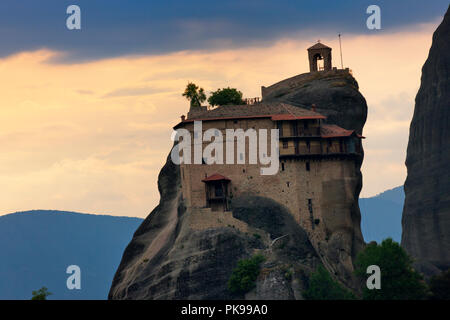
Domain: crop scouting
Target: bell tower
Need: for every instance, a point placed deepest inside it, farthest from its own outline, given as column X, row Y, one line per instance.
column 319, row 51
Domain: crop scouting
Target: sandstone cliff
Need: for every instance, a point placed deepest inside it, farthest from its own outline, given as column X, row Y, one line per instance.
column 426, row 213
column 335, row 94
column 168, row 260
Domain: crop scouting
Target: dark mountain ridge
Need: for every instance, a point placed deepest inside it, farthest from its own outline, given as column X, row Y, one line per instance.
column 37, row 246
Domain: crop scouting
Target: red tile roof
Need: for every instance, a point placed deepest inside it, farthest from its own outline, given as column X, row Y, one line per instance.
column 334, row 131
column 278, row 110
column 277, row 117
column 215, row 177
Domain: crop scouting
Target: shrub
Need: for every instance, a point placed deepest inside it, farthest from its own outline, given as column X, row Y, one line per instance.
column 225, row 96
column 40, row 294
column 323, row 287
column 244, row 275
column 440, row 286
column 398, row 279
column 194, row 94
column 288, row 275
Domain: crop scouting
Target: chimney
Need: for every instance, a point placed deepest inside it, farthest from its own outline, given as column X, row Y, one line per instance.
column 183, row 117
column 313, row 107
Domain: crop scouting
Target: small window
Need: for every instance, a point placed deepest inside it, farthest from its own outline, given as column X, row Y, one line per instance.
column 294, row 129
column 282, row 166
column 288, row 183
column 308, row 166
column 310, row 205
column 280, row 128
column 218, row 191
column 285, row 144
column 311, row 216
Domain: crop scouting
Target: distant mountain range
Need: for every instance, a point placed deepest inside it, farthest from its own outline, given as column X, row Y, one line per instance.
column 381, row 216
column 37, row 246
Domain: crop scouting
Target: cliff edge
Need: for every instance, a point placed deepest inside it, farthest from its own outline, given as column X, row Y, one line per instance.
column 167, row 259
column 426, row 213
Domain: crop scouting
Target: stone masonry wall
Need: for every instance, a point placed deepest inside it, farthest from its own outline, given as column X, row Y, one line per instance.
column 328, row 188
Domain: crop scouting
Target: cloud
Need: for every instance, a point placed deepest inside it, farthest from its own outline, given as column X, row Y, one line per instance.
column 85, row 91
column 68, row 150
column 133, row 27
column 136, row 91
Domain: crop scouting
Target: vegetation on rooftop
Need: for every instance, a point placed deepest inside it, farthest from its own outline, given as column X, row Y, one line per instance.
column 194, row 94
column 220, row 97
column 226, row 96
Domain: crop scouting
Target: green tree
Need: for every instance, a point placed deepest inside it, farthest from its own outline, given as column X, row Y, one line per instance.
column 323, row 287
column 399, row 281
column 41, row 294
column 440, row 286
column 225, row 96
column 194, row 94
column 244, row 275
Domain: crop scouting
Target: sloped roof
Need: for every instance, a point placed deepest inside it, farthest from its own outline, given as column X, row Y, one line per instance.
column 288, row 116
column 273, row 110
column 319, row 45
column 260, row 109
column 216, row 177
column 334, row 131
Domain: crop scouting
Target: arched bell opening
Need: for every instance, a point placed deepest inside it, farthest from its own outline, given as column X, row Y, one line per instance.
column 319, row 57
column 319, row 62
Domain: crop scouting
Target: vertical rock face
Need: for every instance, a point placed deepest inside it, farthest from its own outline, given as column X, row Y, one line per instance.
column 426, row 213
column 336, row 95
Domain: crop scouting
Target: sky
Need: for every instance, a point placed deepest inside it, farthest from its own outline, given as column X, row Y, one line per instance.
column 86, row 115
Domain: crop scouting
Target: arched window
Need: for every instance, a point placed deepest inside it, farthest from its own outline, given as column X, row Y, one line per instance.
column 319, row 62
